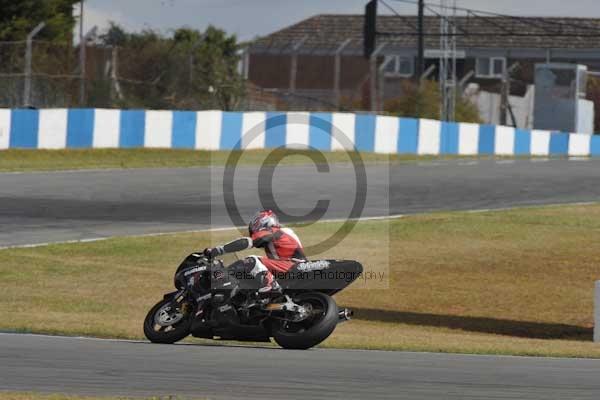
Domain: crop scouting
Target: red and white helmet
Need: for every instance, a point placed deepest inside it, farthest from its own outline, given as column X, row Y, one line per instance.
column 262, row 220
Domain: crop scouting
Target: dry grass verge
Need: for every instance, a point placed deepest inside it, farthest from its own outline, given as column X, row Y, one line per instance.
column 54, row 160
column 506, row 282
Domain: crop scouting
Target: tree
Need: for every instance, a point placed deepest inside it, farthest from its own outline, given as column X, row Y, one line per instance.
column 188, row 70
column 429, row 101
column 213, row 61
column 18, row 18
column 115, row 35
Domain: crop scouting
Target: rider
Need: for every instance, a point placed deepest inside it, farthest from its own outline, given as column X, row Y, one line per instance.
column 282, row 246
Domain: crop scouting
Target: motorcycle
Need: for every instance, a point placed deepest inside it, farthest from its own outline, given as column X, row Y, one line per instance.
column 212, row 302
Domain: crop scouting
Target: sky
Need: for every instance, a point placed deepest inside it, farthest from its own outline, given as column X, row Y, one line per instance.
column 252, row 18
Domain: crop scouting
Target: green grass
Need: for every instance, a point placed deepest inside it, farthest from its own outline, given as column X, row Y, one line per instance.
column 508, row 282
column 52, row 160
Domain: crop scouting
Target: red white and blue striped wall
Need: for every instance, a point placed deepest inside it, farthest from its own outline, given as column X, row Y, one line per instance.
column 218, row 130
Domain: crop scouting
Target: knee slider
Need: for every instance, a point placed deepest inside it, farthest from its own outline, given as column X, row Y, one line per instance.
column 257, row 266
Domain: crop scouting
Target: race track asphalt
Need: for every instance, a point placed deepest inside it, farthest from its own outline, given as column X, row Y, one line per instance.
column 60, row 206
column 92, row 367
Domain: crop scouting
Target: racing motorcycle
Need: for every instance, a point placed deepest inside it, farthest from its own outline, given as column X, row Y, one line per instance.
column 211, row 302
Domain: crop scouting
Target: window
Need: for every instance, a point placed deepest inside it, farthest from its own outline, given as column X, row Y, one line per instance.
column 482, row 66
column 490, row 67
column 498, row 66
column 396, row 66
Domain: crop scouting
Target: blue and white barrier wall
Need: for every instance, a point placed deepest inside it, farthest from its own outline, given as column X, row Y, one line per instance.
column 217, row 130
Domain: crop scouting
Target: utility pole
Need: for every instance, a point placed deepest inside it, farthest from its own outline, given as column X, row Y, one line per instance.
column 447, row 72
column 504, row 93
column 81, row 21
column 373, row 76
column 81, row 56
column 505, row 107
column 420, row 55
column 82, row 63
column 421, row 44
column 337, row 68
column 294, row 63
column 28, row 56
column 114, row 75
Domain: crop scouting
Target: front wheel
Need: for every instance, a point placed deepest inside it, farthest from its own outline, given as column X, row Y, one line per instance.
column 167, row 322
column 322, row 320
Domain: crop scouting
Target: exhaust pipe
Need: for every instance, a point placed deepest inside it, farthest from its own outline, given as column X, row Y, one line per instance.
column 345, row 314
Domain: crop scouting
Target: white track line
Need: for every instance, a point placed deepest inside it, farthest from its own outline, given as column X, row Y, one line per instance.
column 483, row 210
column 231, row 228
column 252, row 346
column 217, row 229
column 43, row 335
column 101, row 238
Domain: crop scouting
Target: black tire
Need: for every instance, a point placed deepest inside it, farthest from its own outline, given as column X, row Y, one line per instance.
column 178, row 331
column 311, row 332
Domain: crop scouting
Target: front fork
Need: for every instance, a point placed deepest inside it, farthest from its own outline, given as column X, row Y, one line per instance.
column 178, row 299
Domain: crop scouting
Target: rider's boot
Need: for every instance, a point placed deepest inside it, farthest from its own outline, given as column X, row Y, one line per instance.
column 269, row 287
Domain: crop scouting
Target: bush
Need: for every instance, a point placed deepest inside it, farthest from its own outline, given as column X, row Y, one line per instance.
column 425, row 103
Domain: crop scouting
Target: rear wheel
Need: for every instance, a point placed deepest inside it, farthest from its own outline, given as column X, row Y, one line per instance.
column 167, row 322
column 320, row 323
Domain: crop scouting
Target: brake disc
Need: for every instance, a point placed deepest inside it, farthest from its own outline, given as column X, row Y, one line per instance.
column 166, row 316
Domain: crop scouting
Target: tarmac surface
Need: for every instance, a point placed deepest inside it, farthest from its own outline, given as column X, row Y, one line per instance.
column 119, row 368
column 79, row 205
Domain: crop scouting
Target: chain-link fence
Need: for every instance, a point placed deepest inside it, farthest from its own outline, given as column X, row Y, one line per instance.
column 44, row 74
column 137, row 77
column 48, row 76
column 257, row 98
column 161, row 76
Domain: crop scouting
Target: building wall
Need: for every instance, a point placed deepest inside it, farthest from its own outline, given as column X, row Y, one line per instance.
column 314, row 71
column 269, row 70
column 315, row 79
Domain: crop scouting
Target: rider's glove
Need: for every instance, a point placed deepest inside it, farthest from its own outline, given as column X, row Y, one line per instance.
column 213, row 252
